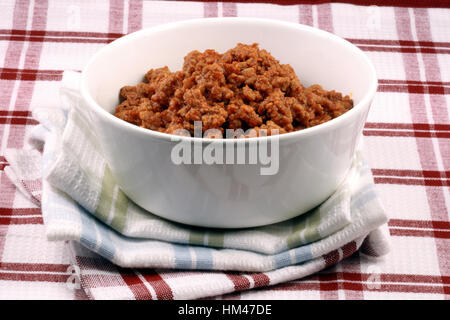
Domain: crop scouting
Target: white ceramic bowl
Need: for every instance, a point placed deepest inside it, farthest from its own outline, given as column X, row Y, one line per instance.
column 312, row 162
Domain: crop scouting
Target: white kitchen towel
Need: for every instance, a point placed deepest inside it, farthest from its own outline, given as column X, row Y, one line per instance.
column 82, row 202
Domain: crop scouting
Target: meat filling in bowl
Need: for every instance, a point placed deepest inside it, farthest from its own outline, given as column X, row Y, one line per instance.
column 244, row 88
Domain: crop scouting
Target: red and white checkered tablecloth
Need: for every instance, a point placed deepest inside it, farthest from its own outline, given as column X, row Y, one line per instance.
column 406, row 138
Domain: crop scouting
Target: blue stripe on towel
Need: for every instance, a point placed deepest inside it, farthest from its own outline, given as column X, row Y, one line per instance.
column 88, row 233
column 282, row 259
column 302, row 254
column 363, row 196
column 204, row 258
column 182, row 256
column 106, row 249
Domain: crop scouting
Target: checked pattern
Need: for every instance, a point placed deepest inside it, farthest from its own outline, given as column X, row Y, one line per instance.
column 406, row 142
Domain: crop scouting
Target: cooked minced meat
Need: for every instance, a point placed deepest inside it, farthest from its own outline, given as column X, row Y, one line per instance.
column 244, row 88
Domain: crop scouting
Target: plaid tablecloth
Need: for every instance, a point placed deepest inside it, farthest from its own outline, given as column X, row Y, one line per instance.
column 406, row 138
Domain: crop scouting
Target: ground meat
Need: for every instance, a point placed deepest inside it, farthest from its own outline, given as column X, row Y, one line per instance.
column 244, row 88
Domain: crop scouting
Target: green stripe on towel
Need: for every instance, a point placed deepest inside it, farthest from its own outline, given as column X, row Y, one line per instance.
column 120, row 211
column 106, row 195
column 216, row 239
column 105, row 204
column 196, row 237
column 308, row 227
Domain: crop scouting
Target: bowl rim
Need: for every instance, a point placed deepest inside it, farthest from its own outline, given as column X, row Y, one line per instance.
column 336, row 122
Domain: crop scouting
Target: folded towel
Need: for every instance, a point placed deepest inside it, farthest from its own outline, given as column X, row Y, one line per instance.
column 81, row 202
